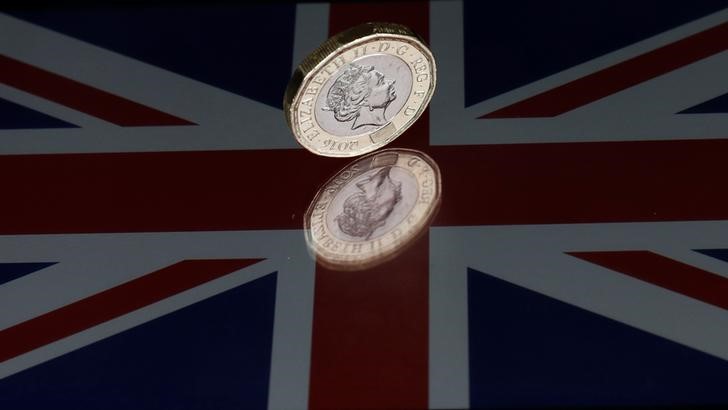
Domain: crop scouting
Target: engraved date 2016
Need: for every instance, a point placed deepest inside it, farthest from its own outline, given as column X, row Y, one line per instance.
column 340, row 146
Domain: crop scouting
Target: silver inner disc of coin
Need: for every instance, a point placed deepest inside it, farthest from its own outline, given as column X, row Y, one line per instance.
column 363, row 95
column 372, row 204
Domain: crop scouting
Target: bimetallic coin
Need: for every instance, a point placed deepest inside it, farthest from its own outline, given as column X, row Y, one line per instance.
column 372, row 209
column 360, row 90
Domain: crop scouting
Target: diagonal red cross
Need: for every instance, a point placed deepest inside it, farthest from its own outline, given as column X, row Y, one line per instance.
column 370, row 330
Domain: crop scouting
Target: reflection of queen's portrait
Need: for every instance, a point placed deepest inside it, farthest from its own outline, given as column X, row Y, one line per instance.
column 361, row 94
column 367, row 210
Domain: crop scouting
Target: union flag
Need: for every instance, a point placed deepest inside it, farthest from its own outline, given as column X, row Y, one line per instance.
column 152, row 252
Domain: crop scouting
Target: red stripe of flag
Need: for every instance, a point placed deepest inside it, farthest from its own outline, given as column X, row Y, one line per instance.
column 370, row 335
column 370, row 328
column 112, row 303
column 81, row 97
column 664, row 272
column 641, row 181
column 619, row 76
column 482, row 185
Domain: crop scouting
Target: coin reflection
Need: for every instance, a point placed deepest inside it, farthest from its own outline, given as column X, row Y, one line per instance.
column 372, row 209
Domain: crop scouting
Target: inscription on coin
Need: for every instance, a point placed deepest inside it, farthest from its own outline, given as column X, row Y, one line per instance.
column 364, row 94
column 372, row 209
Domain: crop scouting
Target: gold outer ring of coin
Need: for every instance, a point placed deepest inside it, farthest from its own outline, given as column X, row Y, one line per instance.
column 317, row 73
column 336, row 250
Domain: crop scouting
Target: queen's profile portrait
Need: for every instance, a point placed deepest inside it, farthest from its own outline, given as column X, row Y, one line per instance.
column 368, row 209
column 360, row 94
